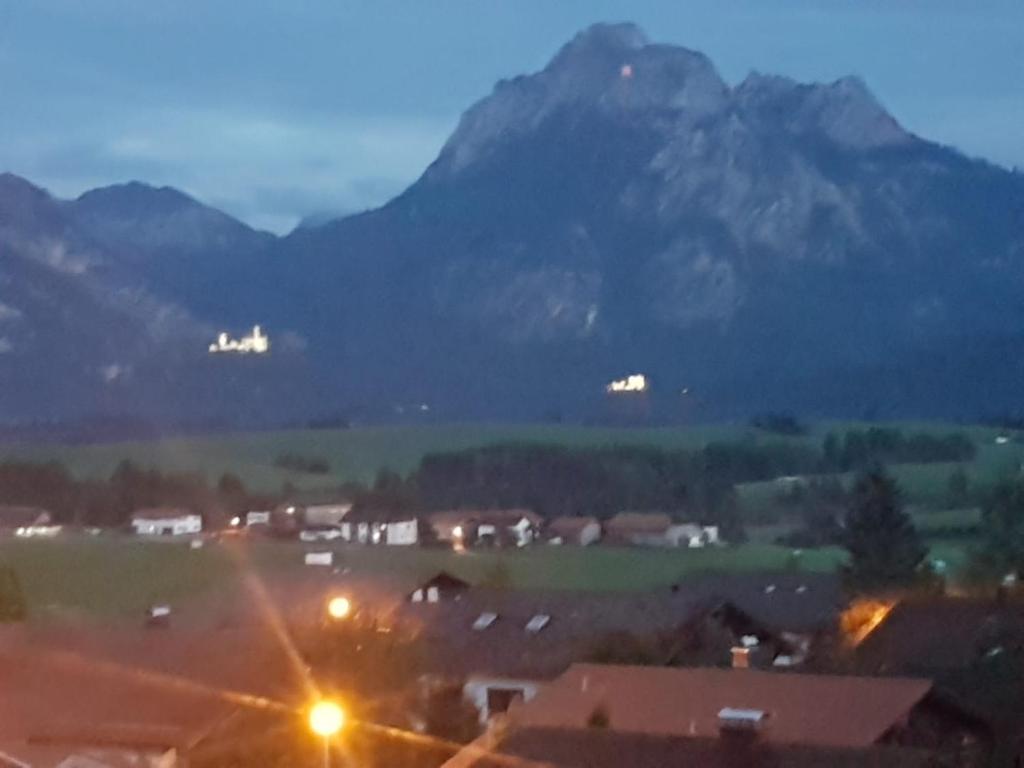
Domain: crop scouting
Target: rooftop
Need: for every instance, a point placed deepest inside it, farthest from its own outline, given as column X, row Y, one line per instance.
column 601, row 748
column 810, row 710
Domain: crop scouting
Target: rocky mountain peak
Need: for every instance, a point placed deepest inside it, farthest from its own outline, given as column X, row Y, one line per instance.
column 611, row 68
column 846, row 111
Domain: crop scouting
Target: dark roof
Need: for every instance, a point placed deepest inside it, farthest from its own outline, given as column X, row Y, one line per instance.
column 444, row 581
column 810, row 710
column 358, row 515
column 578, row 619
column 600, row 748
column 161, row 513
column 934, row 634
column 570, row 525
column 17, row 516
column 642, row 522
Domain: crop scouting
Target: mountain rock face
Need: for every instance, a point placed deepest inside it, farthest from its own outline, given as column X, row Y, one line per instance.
column 771, row 244
column 108, row 302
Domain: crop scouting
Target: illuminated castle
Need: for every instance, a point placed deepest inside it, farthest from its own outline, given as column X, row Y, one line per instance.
column 256, row 343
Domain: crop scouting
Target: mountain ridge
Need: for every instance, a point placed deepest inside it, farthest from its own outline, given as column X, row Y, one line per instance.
column 769, row 244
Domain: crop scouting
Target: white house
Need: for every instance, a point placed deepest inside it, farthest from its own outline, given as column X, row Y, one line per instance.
column 380, row 527
column 165, row 521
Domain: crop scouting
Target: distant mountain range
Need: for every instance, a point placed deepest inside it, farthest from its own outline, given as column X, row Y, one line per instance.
column 773, row 245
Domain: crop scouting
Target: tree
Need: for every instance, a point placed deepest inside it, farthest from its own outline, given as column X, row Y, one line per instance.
column 1002, row 530
column 885, row 548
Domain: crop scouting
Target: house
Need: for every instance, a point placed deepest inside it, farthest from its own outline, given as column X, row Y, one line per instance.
column 440, row 586
column 166, row 521
column 972, row 647
column 491, row 527
column 791, row 709
column 604, row 748
column 938, row 635
column 537, row 635
column 577, row 530
column 14, row 518
column 638, row 529
column 366, row 526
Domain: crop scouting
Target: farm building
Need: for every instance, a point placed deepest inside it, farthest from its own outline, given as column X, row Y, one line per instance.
column 638, row 528
column 576, row 530
column 656, row 529
column 166, row 521
column 491, row 527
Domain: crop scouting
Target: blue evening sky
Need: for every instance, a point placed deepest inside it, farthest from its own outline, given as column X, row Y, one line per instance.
column 274, row 109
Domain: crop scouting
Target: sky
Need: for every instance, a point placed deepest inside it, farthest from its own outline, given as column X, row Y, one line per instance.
column 277, row 109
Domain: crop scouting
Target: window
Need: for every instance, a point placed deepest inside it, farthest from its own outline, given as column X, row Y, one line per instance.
column 484, row 620
column 537, row 623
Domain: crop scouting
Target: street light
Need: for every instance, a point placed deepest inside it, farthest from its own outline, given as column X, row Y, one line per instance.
column 339, row 607
column 326, row 718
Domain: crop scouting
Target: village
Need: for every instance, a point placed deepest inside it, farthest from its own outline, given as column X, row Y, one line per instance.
column 734, row 668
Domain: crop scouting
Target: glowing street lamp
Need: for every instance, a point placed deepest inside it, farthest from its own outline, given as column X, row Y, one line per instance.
column 339, row 608
column 326, row 718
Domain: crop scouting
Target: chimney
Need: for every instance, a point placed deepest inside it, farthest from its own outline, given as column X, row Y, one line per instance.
column 740, row 657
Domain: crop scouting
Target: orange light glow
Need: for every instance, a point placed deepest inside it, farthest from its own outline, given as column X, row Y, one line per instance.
column 864, row 617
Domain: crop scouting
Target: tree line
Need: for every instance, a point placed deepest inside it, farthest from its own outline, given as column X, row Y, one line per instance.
column 863, row 448
column 111, row 501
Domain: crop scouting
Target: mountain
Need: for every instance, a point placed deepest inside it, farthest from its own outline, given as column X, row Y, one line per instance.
column 108, row 303
column 763, row 245
column 768, row 244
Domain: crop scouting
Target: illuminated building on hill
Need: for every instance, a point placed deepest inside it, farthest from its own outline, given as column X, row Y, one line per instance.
column 256, row 343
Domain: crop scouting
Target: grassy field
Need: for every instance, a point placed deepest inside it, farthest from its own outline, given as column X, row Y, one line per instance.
column 353, row 454
column 357, row 454
column 119, row 577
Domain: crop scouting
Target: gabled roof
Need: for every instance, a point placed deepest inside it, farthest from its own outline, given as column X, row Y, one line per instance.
column 579, row 619
column 570, row 524
column 646, row 522
column 162, row 513
column 809, row 710
column 12, row 516
column 602, row 748
column 944, row 633
column 379, row 516
column 445, row 581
